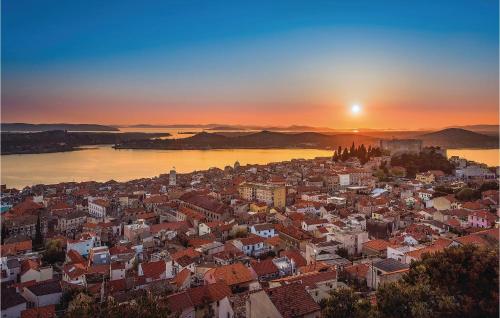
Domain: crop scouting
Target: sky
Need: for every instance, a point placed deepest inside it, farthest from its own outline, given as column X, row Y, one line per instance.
column 407, row 64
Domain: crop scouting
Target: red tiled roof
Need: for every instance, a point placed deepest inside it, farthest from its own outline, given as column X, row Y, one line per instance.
column 28, row 264
column 264, row 267
column 180, row 278
column 295, row 256
column 198, row 296
column 230, row 274
column 358, row 270
column 292, row 300
column 40, row 312
column 153, row 269
column 377, row 245
column 14, row 248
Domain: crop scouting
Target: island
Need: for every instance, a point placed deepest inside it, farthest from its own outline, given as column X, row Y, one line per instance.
column 60, row 140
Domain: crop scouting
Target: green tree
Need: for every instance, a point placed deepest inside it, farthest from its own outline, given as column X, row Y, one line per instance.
column 38, row 240
column 468, row 194
column 53, row 252
column 344, row 303
column 458, row 282
column 4, row 233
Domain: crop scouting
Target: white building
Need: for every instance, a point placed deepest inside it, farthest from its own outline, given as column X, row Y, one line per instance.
column 98, row 208
column 84, row 244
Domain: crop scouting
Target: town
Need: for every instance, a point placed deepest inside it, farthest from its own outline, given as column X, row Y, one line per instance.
column 286, row 239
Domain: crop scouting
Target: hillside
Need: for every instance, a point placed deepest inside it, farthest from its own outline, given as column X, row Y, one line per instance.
column 258, row 140
column 59, row 140
column 24, row 127
column 459, row 138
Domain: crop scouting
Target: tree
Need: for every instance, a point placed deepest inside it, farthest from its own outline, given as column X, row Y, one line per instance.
column 38, row 241
column 53, row 252
column 458, row 282
column 468, row 194
column 4, row 233
column 491, row 185
column 342, row 252
column 344, row 303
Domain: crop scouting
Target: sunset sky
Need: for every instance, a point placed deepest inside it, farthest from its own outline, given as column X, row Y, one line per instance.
column 408, row 64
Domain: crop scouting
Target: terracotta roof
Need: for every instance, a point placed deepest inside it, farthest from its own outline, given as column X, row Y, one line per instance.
column 74, row 270
column 40, row 312
column 156, row 199
column 314, row 267
column 312, row 278
column 252, row 239
column 292, row 300
column 358, row 270
column 264, row 267
column 14, row 248
column 28, row 264
column 274, row 241
column 172, row 226
column 377, row 245
column 231, row 274
column 154, row 269
column 295, row 256
column 180, row 278
column 117, row 285
column 198, row 296
column 190, row 252
column 438, row 246
column 75, row 257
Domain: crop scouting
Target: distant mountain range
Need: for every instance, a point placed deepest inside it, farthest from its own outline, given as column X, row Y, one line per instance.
column 24, row 127
column 259, row 140
column 447, row 138
column 459, row 138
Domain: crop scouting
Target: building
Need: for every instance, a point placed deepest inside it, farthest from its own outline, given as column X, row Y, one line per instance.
column 289, row 300
column 385, row 271
column 274, row 195
column 98, row 208
column 401, row 146
column 172, row 178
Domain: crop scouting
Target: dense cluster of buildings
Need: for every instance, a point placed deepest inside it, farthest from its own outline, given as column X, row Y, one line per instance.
column 245, row 241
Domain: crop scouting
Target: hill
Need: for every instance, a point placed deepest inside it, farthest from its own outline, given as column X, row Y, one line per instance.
column 259, row 140
column 459, row 138
column 24, row 127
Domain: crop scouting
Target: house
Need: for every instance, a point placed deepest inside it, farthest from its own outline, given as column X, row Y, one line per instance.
column 265, row 230
column 287, row 301
column 84, row 243
column 10, row 268
column 98, row 208
column 265, row 270
column 252, row 245
column 293, row 236
column 12, row 303
column 32, row 270
column 182, row 280
column 156, row 270
column 481, row 219
column 15, row 245
column 204, row 301
column 309, row 225
column 385, row 271
column 318, row 284
column 437, row 246
column 237, row 276
column 376, row 247
column 43, row 293
column 74, row 273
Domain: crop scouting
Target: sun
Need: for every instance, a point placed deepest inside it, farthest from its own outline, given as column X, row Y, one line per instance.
column 355, row 109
